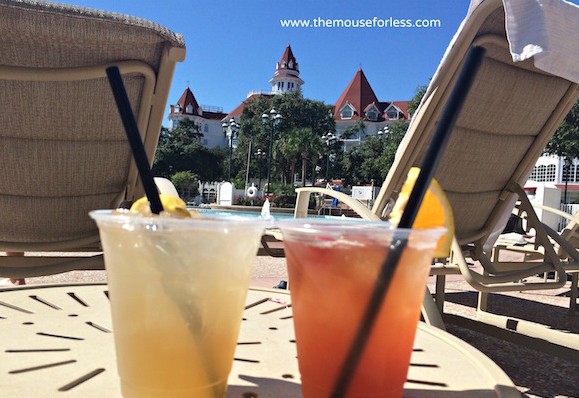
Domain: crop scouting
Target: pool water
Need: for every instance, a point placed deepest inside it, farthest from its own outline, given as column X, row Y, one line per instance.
column 240, row 213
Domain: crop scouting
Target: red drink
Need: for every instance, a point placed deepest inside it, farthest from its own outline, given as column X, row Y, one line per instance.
column 332, row 272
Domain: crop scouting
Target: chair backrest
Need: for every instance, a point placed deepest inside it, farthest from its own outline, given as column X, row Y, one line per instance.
column 511, row 112
column 63, row 150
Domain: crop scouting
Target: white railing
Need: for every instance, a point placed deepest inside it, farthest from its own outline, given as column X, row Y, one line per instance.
column 570, row 209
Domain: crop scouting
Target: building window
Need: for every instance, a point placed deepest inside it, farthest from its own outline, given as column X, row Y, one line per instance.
column 544, row 173
column 551, row 173
column 206, row 128
column 569, row 173
column 392, row 115
column 539, row 173
column 372, row 115
column 347, row 111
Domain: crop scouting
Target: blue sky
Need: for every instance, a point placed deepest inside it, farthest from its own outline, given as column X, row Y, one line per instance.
column 232, row 46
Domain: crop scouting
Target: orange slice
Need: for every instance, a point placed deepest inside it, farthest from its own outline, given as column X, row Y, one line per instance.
column 435, row 211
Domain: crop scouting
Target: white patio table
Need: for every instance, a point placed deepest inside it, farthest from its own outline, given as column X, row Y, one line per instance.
column 57, row 341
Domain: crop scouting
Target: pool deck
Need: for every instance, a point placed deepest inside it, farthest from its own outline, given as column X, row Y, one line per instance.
column 535, row 373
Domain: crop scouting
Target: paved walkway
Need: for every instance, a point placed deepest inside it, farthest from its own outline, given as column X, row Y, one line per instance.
column 535, row 373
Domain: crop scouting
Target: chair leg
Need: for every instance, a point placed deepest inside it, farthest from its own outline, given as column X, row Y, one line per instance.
column 15, row 281
column 573, row 293
column 430, row 311
column 439, row 292
column 482, row 299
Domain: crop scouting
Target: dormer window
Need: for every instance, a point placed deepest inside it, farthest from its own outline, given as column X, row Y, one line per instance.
column 372, row 112
column 392, row 113
column 189, row 109
column 347, row 111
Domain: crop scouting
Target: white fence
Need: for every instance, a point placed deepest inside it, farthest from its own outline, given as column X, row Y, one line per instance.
column 570, row 209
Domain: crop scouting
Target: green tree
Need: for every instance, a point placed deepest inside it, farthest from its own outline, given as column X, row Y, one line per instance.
column 179, row 149
column 310, row 146
column 565, row 141
column 301, row 118
column 288, row 150
column 356, row 130
column 351, row 166
column 415, row 101
column 372, row 159
column 186, row 184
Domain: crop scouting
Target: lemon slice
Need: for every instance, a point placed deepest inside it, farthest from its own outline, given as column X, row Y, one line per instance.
column 172, row 206
column 435, row 211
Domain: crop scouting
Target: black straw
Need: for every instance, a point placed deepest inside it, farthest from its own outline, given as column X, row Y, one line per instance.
column 134, row 137
column 399, row 241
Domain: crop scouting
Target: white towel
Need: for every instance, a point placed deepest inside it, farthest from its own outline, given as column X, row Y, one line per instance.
column 547, row 30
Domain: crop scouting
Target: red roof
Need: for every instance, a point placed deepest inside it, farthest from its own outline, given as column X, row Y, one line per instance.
column 403, row 106
column 360, row 96
column 187, row 98
column 238, row 110
column 287, row 63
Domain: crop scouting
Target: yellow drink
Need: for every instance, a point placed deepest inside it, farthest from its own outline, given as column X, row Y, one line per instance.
column 177, row 291
column 333, row 269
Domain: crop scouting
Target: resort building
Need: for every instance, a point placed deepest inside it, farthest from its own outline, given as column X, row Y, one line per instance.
column 553, row 183
column 286, row 78
column 359, row 111
column 357, row 104
column 208, row 118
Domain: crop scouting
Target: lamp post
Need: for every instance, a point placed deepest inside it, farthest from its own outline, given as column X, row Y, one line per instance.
column 273, row 119
column 566, row 172
column 230, row 129
column 329, row 139
column 383, row 132
column 259, row 154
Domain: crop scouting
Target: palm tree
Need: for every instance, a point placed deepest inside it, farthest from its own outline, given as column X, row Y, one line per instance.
column 289, row 149
column 309, row 145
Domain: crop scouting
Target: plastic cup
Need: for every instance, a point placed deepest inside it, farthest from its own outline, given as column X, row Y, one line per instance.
column 177, row 291
column 333, row 268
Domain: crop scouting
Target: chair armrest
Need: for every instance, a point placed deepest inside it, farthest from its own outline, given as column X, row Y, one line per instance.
column 558, row 212
column 302, row 201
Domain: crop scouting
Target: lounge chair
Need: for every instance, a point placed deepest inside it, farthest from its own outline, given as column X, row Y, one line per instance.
column 63, row 147
column 565, row 244
column 511, row 112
